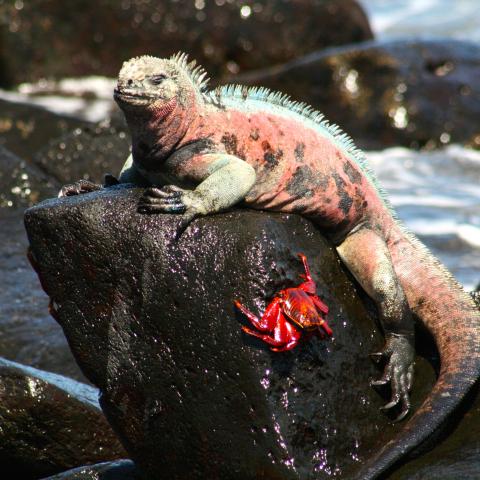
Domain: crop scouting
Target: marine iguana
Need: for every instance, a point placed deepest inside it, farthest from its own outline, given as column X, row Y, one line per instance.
column 199, row 152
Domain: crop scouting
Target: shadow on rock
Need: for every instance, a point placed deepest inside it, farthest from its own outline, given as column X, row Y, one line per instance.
column 49, row 423
column 151, row 323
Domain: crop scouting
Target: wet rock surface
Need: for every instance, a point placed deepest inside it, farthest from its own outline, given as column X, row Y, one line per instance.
column 226, row 36
column 118, row 470
column 152, row 324
column 22, row 184
column 24, row 129
column 49, row 423
column 28, row 334
column 412, row 93
column 87, row 152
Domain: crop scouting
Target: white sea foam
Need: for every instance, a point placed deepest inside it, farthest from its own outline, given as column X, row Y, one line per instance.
column 88, row 98
column 437, row 195
column 405, row 18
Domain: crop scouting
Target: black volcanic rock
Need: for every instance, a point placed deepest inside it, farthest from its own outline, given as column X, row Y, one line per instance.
column 87, row 152
column 28, row 334
column 152, row 324
column 49, row 423
column 118, row 470
column 25, row 129
column 22, row 184
column 414, row 93
column 44, row 40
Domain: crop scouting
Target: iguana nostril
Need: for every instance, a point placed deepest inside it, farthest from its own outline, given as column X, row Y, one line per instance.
column 130, row 81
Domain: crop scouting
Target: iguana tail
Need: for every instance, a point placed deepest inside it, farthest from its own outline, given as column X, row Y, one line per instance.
column 452, row 317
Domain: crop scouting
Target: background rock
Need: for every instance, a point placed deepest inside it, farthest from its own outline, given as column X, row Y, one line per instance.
column 88, row 152
column 49, row 423
column 24, row 129
column 22, row 184
column 412, row 93
column 152, row 324
column 42, row 40
column 119, row 470
column 28, row 334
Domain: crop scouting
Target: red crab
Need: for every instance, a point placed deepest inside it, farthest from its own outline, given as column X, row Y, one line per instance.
column 292, row 311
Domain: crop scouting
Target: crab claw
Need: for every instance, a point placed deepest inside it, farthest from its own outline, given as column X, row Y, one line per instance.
column 326, row 328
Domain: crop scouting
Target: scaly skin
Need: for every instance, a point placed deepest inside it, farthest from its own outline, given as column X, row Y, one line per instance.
column 202, row 152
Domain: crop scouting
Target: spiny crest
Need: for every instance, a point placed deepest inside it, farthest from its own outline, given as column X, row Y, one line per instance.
column 196, row 72
column 263, row 94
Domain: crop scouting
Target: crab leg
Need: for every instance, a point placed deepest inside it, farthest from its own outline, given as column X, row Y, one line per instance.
column 308, row 286
column 303, row 258
column 288, row 333
column 284, row 337
column 269, row 318
column 319, row 304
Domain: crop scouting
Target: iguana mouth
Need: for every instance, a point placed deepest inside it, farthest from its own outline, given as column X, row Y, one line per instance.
column 132, row 97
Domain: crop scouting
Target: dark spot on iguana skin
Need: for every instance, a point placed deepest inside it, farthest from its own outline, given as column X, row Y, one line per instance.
column 254, row 134
column 230, row 141
column 296, row 184
column 272, row 157
column 305, row 182
column 420, row 302
column 346, row 201
column 352, row 173
column 299, row 152
column 198, row 146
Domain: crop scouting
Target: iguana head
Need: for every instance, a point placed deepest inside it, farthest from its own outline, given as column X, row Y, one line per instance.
column 157, row 84
column 160, row 99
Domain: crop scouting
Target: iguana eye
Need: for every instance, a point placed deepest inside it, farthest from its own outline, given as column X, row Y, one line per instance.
column 157, row 79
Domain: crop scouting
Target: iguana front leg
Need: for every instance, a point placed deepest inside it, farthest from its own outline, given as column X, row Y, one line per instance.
column 367, row 257
column 223, row 180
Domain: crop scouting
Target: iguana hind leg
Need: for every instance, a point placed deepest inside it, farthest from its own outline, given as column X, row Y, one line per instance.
column 366, row 255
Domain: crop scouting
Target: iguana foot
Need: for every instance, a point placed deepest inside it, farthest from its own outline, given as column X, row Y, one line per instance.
column 168, row 199
column 398, row 371
column 77, row 188
column 172, row 199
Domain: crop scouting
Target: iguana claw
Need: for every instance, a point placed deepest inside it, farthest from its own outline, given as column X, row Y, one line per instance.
column 171, row 199
column 162, row 200
column 77, row 188
column 398, row 372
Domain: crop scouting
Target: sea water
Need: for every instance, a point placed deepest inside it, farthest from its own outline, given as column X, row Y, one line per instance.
column 459, row 19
